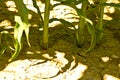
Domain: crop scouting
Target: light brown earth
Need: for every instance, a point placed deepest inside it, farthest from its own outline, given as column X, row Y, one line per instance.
column 63, row 60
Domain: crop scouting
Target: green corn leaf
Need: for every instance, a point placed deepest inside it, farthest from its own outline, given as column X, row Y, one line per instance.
column 2, row 50
column 82, row 22
column 23, row 13
column 116, row 5
column 18, row 30
column 26, row 29
column 65, row 2
column 17, row 51
column 20, row 26
column 38, row 10
column 82, row 15
column 91, row 31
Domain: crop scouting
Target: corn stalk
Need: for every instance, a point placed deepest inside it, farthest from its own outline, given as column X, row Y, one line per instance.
column 81, row 25
column 99, row 25
column 46, row 22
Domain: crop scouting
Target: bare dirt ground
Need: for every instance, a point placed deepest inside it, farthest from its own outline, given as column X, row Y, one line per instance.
column 63, row 60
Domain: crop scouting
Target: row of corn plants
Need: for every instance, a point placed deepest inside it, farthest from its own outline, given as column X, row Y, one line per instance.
column 95, row 30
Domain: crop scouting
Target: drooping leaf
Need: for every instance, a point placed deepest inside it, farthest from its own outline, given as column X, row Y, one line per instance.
column 23, row 13
column 82, row 13
column 91, row 31
column 18, row 30
column 17, row 51
column 20, row 26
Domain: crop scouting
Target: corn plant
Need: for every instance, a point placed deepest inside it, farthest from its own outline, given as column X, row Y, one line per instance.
column 81, row 26
column 83, row 22
column 45, row 22
column 21, row 25
column 95, row 31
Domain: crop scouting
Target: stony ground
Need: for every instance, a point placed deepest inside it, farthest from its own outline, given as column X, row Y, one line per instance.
column 63, row 60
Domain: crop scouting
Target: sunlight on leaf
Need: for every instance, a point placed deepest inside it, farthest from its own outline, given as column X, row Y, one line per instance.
column 23, row 13
column 20, row 26
column 18, row 31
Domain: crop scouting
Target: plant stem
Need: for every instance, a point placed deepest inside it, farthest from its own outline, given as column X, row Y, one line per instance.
column 100, row 22
column 81, row 24
column 46, row 22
